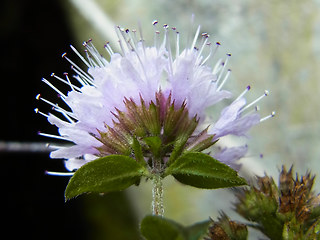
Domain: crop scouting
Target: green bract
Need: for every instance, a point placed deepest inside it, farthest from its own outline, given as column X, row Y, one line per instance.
column 106, row 174
column 202, row 171
column 118, row 172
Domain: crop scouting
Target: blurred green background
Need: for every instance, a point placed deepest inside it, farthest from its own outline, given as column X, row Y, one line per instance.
column 275, row 45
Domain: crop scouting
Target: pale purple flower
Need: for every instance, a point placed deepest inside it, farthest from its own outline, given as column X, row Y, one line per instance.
column 140, row 72
column 229, row 156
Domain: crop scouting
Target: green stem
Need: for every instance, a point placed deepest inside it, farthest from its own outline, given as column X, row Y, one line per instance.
column 157, row 188
column 157, row 195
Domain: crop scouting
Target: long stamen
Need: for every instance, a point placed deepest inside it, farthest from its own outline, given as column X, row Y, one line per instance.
column 53, row 87
column 218, row 66
column 126, row 37
column 165, row 26
column 205, row 37
column 108, row 49
column 178, row 45
column 41, row 113
column 156, row 34
column 65, row 114
column 131, row 40
column 53, row 136
column 243, row 93
column 119, row 41
column 82, row 79
column 57, row 108
column 62, row 174
column 224, row 64
column 266, row 93
column 77, row 67
column 80, row 56
column 141, row 38
column 267, row 117
column 97, row 59
column 224, row 80
column 195, row 37
column 68, row 82
column 209, row 55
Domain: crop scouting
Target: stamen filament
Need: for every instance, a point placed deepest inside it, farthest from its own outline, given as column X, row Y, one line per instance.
column 53, row 87
column 224, row 64
column 62, row 174
column 41, row 113
column 243, row 93
column 69, row 82
column 82, row 79
column 178, row 45
column 224, row 80
column 266, row 93
column 195, row 37
column 79, row 69
column 108, row 49
column 80, row 56
column 56, row 107
column 267, row 117
column 53, row 136
column 66, row 82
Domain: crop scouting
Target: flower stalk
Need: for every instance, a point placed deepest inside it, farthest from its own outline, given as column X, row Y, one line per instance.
column 157, row 195
column 157, row 188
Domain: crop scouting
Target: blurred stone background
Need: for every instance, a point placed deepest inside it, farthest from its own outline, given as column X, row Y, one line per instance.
column 275, row 45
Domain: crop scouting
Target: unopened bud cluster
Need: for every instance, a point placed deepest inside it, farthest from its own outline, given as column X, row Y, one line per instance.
column 287, row 211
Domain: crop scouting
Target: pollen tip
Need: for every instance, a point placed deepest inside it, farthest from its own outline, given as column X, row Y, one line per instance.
column 273, row 114
column 248, row 87
column 63, row 54
column 38, row 96
column 36, row 110
column 154, row 22
column 266, row 92
column 52, row 74
column 229, row 54
column 218, row 43
column 165, row 26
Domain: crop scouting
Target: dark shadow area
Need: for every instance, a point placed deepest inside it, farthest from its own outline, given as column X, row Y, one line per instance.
column 34, row 34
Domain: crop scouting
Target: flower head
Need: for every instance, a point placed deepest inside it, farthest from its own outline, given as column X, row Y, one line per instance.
column 289, row 208
column 150, row 95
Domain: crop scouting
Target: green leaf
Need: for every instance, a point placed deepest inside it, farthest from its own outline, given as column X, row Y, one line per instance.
column 202, row 171
column 198, row 230
column 159, row 228
column 106, row 174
